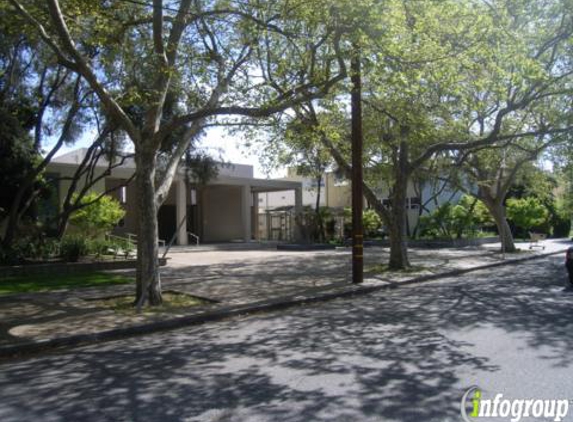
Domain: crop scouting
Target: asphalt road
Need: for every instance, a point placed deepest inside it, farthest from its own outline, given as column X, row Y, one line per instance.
column 404, row 355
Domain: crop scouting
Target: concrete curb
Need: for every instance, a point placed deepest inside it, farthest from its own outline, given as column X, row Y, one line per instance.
column 315, row 295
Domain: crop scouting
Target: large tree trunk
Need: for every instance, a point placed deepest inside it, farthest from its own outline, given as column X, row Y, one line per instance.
column 397, row 229
column 13, row 221
column 397, row 224
column 147, row 279
column 22, row 202
column 319, row 222
column 498, row 214
column 396, row 218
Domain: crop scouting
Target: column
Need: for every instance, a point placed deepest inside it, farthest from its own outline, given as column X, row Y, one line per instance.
column 246, row 199
column 256, row 215
column 181, row 212
column 298, row 214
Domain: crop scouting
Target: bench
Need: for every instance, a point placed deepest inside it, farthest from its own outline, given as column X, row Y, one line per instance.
column 535, row 238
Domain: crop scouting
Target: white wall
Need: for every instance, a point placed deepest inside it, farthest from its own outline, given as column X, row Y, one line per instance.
column 272, row 200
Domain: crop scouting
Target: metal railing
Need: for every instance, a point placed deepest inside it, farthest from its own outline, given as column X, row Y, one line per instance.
column 122, row 246
column 133, row 238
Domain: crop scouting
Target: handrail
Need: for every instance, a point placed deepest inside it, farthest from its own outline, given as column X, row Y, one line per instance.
column 109, row 235
column 193, row 235
column 126, row 250
column 132, row 238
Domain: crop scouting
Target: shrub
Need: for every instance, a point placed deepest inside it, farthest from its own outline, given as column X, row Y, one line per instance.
column 72, row 248
column 454, row 221
column 371, row 222
column 99, row 246
column 110, row 246
column 561, row 226
column 100, row 216
column 526, row 213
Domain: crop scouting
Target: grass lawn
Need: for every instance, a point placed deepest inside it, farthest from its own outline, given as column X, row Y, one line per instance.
column 46, row 282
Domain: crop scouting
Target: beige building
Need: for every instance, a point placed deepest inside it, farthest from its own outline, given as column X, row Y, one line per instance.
column 336, row 193
column 222, row 211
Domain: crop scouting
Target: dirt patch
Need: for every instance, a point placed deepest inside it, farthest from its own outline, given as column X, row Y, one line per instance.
column 173, row 301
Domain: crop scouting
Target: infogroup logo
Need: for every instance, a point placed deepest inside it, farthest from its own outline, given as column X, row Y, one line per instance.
column 510, row 409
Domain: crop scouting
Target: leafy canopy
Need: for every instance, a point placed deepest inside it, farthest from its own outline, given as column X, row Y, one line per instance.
column 100, row 216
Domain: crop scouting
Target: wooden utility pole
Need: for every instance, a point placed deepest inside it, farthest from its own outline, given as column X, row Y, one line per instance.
column 357, row 190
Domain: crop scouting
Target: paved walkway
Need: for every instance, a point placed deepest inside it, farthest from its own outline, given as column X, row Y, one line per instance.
column 231, row 278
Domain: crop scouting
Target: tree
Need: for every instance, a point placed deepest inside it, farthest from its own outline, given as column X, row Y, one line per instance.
column 489, row 175
column 448, row 79
column 98, row 215
column 46, row 107
column 455, row 220
column 549, row 189
column 16, row 158
column 526, row 213
column 300, row 150
column 38, row 100
column 205, row 56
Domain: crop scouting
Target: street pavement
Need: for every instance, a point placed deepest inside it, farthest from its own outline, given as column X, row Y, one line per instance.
column 407, row 354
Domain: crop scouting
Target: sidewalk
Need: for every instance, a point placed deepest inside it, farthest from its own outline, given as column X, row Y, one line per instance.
column 239, row 281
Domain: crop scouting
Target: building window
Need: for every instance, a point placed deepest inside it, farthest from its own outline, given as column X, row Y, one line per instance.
column 260, row 200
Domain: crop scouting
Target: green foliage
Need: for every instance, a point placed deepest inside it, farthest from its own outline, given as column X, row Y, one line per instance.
column 201, row 168
column 111, row 246
column 100, row 216
column 318, row 226
column 30, row 247
column 526, row 213
column 72, row 248
column 371, row 222
column 451, row 221
column 17, row 157
column 41, row 283
column 561, row 225
column 560, row 217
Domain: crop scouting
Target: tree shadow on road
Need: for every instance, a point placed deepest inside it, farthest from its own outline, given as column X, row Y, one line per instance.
column 383, row 357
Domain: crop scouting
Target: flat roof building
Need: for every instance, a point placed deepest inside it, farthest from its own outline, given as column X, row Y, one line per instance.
column 225, row 209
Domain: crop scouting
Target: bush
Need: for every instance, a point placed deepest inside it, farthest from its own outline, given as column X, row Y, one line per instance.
column 371, row 222
column 454, row 221
column 561, row 225
column 526, row 213
column 72, row 248
column 111, row 246
column 98, row 217
column 99, row 246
